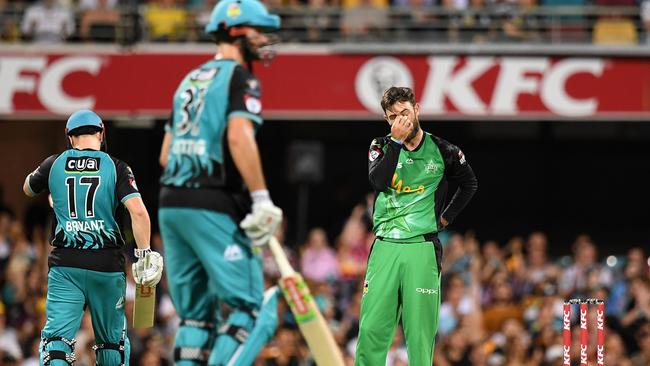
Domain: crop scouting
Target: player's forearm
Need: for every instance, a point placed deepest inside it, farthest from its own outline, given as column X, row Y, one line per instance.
column 381, row 170
column 141, row 228
column 246, row 156
column 164, row 149
column 467, row 187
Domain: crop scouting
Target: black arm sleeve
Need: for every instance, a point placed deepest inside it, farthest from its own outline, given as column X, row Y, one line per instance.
column 382, row 161
column 458, row 172
column 125, row 186
column 245, row 95
column 38, row 179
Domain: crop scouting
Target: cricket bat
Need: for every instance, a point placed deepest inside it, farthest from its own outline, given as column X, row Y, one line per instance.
column 145, row 304
column 310, row 321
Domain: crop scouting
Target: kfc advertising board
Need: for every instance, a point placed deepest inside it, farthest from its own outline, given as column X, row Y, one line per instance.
column 335, row 86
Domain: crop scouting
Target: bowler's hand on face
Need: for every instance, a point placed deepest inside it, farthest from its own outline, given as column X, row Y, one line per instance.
column 401, row 127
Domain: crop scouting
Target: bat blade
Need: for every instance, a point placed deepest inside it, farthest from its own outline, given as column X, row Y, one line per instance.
column 310, row 321
column 144, row 307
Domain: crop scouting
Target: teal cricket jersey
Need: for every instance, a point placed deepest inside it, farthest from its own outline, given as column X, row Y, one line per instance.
column 86, row 188
column 200, row 172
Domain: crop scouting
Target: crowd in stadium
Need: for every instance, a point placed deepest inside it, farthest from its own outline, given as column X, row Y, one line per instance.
column 501, row 304
column 128, row 21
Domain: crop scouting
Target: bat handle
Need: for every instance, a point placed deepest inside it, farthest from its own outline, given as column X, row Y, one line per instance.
column 281, row 258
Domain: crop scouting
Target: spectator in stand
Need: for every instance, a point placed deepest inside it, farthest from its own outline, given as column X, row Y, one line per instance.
column 642, row 357
column 537, row 268
column 354, row 246
column 99, row 23
column 574, row 282
column 476, row 23
column 519, row 23
column 635, row 266
column 317, row 20
column 48, row 22
column 645, row 18
column 639, row 306
column 9, row 344
column 318, row 260
column 454, row 350
column 9, row 30
column 615, row 352
column 459, row 302
column 363, row 20
column 502, row 307
column 166, row 21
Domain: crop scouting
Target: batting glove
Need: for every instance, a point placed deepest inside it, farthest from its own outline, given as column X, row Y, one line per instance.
column 263, row 221
column 148, row 269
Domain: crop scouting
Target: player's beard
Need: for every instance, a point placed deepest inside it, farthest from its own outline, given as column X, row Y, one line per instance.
column 414, row 131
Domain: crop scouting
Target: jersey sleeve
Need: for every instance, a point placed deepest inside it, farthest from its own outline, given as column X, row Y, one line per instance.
column 125, row 187
column 459, row 172
column 245, row 97
column 37, row 181
column 382, row 161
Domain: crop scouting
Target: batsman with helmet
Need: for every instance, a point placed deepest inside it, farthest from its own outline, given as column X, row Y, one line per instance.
column 86, row 266
column 215, row 209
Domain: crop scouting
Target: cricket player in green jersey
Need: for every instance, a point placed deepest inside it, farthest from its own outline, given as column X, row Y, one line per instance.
column 409, row 171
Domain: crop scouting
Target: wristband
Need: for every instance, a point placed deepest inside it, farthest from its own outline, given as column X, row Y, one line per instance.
column 261, row 195
column 396, row 140
column 141, row 253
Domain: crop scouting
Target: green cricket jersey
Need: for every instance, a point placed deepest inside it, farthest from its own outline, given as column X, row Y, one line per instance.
column 411, row 186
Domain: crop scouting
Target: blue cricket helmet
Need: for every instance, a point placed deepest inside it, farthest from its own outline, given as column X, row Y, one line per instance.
column 83, row 118
column 251, row 13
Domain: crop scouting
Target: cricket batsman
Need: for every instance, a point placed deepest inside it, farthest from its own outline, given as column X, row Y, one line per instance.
column 215, row 210
column 87, row 263
column 409, row 171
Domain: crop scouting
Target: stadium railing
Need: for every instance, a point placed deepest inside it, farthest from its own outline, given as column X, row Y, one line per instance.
column 502, row 24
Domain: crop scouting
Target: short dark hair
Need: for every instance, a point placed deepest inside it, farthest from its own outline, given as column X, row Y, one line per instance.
column 84, row 130
column 396, row 94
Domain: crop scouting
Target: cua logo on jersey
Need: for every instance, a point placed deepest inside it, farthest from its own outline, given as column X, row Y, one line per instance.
column 365, row 287
column 81, row 164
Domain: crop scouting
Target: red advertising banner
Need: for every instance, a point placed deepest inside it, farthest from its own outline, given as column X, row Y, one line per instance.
column 335, row 86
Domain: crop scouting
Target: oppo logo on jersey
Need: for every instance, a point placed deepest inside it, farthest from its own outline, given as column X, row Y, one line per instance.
column 81, row 164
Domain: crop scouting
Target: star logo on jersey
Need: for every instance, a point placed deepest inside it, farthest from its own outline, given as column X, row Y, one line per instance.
column 132, row 183
column 431, row 167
